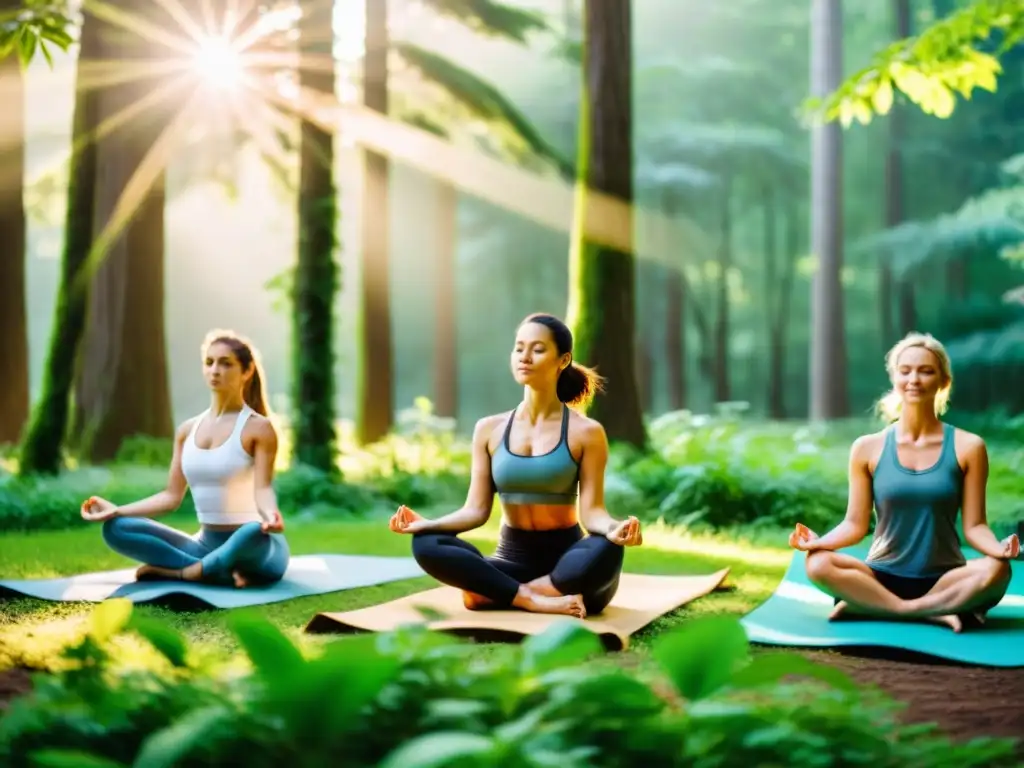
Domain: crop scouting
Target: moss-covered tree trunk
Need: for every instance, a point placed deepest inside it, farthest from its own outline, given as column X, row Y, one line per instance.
column 42, row 447
column 446, row 368
column 376, row 385
column 829, row 397
column 316, row 274
column 13, row 320
column 121, row 387
column 602, row 280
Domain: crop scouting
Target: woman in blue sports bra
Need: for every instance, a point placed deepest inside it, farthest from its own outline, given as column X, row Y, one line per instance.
column 918, row 474
column 535, row 458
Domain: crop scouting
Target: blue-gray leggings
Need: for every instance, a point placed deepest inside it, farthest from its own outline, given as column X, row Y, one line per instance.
column 259, row 557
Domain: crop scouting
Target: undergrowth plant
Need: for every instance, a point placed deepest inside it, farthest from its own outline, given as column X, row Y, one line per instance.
column 413, row 698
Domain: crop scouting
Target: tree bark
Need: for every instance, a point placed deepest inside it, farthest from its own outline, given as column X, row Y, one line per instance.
column 376, row 390
column 675, row 337
column 894, row 193
column 14, row 394
column 602, row 280
column 121, row 381
column 779, row 324
column 316, row 275
column 43, row 444
column 722, row 388
column 829, row 388
column 446, row 368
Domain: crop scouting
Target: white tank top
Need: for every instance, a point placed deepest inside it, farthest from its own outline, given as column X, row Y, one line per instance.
column 221, row 479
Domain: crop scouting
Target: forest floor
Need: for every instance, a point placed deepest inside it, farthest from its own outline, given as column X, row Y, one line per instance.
column 966, row 702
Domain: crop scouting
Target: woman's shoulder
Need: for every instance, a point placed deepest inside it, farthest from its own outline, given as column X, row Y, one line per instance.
column 868, row 445
column 586, row 427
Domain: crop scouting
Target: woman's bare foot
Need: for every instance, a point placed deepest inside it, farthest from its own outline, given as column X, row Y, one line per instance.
column 192, row 572
column 156, row 573
column 840, row 611
column 475, row 602
column 239, row 579
column 952, row 621
column 843, row 610
column 566, row 605
column 544, row 587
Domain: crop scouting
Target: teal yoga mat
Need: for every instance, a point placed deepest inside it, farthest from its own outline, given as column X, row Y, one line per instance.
column 797, row 615
column 306, row 575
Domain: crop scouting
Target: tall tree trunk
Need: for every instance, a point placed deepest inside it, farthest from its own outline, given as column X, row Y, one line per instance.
column 121, row 384
column 446, row 367
column 316, row 275
column 829, row 388
column 675, row 337
column 376, row 387
column 42, row 447
column 779, row 323
column 722, row 388
column 14, row 398
column 602, row 280
column 894, row 191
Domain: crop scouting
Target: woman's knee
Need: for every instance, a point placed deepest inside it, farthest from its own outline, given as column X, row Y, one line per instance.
column 427, row 547
column 820, row 565
column 115, row 529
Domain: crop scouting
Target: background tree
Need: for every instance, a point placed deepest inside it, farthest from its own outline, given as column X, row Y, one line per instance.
column 829, row 386
column 14, row 395
column 316, row 275
column 602, row 280
column 43, row 443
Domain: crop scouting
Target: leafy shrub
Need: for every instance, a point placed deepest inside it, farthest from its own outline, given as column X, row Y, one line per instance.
column 414, row 698
column 49, row 503
column 145, row 451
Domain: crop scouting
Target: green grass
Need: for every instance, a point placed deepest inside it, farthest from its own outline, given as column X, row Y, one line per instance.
column 33, row 631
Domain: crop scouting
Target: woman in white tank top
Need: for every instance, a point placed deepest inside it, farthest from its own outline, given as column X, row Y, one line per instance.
column 225, row 456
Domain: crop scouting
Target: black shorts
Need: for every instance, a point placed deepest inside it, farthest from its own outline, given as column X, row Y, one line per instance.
column 906, row 587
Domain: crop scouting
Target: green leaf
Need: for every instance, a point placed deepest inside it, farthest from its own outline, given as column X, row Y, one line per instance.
column 271, row 653
column 563, row 643
column 162, row 637
column 168, row 746
column 701, row 656
column 69, row 758
column 770, row 668
column 46, row 52
column 882, row 98
column 27, row 45
column 441, row 749
column 109, row 618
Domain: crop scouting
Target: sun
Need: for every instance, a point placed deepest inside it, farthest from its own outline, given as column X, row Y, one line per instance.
column 218, row 63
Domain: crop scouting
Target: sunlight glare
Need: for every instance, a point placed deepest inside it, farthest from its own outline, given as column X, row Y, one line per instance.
column 218, row 63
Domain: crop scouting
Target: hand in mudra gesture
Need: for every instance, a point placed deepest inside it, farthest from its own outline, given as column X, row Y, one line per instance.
column 1011, row 547
column 407, row 521
column 627, row 533
column 802, row 538
column 96, row 509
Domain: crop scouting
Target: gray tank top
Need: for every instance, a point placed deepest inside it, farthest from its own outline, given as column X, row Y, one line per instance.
column 550, row 478
column 916, row 512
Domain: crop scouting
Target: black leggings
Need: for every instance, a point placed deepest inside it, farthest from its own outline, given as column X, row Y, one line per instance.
column 577, row 566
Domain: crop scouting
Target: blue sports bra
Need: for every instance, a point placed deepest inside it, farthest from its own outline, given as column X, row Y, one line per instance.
column 551, row 478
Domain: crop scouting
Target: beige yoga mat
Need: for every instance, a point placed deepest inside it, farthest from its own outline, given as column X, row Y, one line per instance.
column 640, row 600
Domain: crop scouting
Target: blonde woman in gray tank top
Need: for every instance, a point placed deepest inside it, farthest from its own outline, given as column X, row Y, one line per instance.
column 918, row 475
column 225, row 456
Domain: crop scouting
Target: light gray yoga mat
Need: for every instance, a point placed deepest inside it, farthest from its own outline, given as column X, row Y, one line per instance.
column 306, row 575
